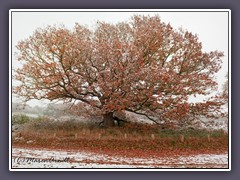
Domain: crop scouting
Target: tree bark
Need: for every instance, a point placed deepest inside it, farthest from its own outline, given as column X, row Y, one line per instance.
column 108, row 120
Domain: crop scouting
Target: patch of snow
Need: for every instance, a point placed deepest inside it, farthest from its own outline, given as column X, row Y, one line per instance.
column 36, row 158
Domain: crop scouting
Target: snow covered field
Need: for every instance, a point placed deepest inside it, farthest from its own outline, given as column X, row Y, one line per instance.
column 36, row 158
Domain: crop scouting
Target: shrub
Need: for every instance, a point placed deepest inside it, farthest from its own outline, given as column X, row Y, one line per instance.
column 44, row 123
column 20, row 119
column 39, row 123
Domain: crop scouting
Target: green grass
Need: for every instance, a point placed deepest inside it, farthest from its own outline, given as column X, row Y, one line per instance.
column 198, row 133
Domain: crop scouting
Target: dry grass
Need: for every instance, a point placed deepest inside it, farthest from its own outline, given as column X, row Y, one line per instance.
column 43, row 127
column 130, row 139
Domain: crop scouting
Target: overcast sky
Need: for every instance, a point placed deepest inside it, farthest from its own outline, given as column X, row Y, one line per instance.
column 211, row 27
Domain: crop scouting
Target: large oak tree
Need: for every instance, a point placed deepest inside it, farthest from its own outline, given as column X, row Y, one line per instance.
column 142, row 66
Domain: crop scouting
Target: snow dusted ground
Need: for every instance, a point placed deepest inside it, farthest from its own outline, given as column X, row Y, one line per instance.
column 36, row 158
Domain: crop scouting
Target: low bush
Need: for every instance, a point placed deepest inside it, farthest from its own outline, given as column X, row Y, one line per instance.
column 199, row 133
column 44, row 123
column 20, row 119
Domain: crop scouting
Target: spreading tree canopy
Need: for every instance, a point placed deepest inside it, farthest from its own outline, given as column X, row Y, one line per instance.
column 142, row 66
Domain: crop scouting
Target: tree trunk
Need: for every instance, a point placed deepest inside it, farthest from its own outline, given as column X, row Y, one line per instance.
column 108, row 120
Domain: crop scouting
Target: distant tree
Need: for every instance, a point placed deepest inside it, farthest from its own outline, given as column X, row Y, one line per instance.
column 225, row 89
column 142, row 66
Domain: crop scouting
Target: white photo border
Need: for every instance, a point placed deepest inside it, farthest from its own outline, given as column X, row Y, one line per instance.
column 119, row 10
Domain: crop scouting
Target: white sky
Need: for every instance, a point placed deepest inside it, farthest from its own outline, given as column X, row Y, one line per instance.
column 211, row 28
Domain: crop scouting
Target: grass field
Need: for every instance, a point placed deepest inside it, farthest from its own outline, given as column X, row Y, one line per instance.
column 131, row 139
